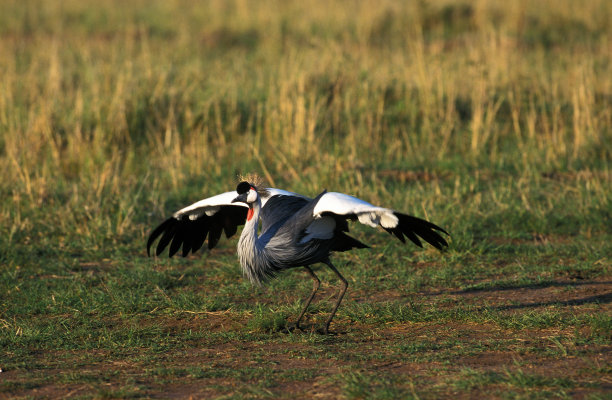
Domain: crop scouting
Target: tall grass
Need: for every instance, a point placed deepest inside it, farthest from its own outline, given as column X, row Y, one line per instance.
column 110, row 109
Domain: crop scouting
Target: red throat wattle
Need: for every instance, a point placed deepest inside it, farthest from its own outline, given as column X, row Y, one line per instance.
column 250, row 214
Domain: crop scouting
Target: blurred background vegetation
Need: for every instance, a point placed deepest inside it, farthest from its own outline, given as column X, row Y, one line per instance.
column 113, row 113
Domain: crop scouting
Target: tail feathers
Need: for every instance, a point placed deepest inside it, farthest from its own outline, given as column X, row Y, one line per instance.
column 344, row 242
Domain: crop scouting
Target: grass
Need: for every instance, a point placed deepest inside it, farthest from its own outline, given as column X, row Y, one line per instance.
column 492, row 120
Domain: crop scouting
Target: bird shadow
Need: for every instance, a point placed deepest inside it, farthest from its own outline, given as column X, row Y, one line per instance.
column 539, row 285
column 308, row 329
column 604, row 298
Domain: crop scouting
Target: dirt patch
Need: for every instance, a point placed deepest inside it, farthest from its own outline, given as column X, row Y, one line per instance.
column 454, row 359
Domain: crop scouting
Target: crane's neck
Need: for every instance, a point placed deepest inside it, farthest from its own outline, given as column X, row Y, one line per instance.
column 252, row 222
column 251, row 255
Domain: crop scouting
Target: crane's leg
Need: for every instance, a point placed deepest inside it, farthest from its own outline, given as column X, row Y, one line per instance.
column 342, row 291
column 315, row 286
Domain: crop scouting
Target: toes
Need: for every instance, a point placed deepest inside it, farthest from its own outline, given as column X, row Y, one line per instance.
column 324, row 331
column 290, row 327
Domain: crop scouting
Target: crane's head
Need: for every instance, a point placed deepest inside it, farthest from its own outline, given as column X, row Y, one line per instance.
column 247, row 193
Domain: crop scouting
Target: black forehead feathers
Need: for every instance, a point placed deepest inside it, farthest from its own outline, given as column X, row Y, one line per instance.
column 243, row 187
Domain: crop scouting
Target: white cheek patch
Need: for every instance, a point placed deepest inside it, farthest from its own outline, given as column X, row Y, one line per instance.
column 252, row 196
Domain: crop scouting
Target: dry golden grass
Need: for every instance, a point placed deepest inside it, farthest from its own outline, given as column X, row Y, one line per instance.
column 96, row 97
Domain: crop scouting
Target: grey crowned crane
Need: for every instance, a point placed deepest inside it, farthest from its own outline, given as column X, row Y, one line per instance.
column 296, row 231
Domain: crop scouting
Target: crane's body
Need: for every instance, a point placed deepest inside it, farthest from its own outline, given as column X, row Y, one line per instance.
column 296, row 231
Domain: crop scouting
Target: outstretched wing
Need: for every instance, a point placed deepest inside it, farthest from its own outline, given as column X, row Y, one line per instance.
column 189, row 227
column 337, row 205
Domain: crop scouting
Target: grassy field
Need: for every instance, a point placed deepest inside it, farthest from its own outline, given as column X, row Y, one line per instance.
column 492, row 119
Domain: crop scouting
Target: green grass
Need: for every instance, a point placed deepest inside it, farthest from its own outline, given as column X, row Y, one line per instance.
column 492, row 120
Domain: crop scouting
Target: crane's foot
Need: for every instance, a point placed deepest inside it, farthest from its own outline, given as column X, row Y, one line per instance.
column 290, row 327
column 325, row 331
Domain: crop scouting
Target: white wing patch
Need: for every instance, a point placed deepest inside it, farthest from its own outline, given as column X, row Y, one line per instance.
column 320, row 228
column 209, row 206
column 368, row 214
column 385, row 218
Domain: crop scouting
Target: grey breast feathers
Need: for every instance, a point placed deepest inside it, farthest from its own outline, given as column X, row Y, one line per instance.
column 291, row 233
column 280, row 208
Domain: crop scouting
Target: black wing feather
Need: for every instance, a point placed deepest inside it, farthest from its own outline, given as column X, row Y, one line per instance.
column 200, row 237
column 158, row 231
column 413, row 226
column 177, row 242
column 229, row 227
column 214, row 235
column 166, row 238
column 398, row 234
column 408, row 226
column 414, row 238
column 191, row 234
column 187, row 245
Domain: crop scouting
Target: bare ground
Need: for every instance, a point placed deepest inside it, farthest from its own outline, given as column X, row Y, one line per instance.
column 281, row 366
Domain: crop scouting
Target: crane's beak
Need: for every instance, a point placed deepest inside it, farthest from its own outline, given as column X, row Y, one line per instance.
column 241, row 198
